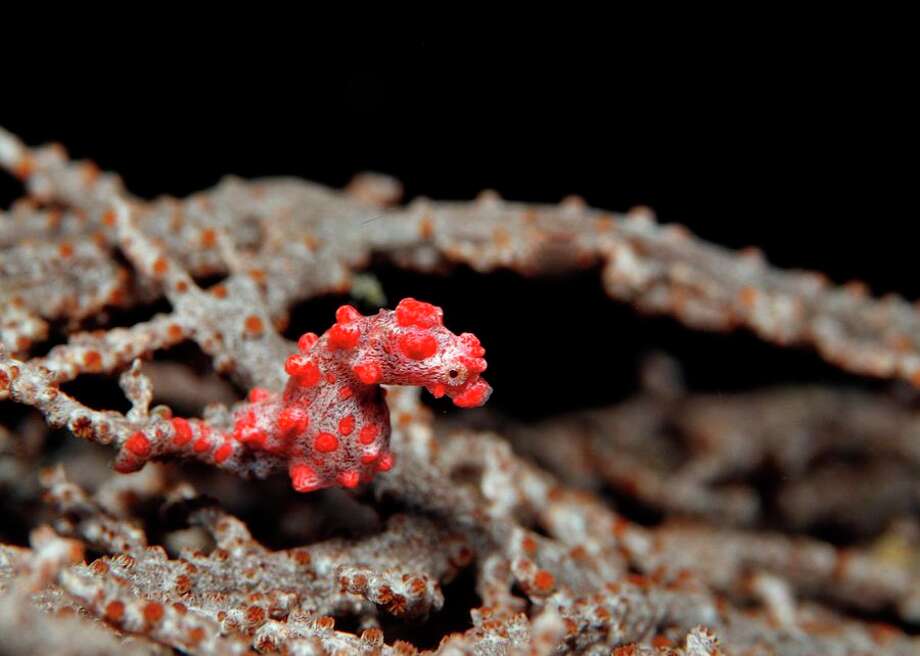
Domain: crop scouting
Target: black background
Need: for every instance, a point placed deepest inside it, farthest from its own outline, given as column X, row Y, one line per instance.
column 796, row 136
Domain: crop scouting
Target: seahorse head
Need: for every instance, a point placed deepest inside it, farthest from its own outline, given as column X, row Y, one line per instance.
column 411, row 346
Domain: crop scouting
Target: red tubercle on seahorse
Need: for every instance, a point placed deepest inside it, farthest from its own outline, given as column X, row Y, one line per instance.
column 182, row 431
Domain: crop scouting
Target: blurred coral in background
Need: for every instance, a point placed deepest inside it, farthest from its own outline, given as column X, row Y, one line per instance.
column 674, row 522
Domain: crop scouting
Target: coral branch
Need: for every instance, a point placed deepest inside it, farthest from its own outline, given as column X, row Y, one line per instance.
column 556, row 569
column 658, row 268
column 330, row 424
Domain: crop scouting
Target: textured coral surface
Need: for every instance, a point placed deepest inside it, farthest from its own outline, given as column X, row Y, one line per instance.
column 158, row 517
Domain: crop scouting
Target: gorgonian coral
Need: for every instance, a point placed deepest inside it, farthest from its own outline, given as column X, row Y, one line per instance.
column 549, row 566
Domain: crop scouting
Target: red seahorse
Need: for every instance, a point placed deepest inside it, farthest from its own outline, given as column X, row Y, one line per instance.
column 330, row 425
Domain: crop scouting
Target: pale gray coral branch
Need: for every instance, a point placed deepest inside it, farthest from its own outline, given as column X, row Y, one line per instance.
column 557, row 570
column 303, row 239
